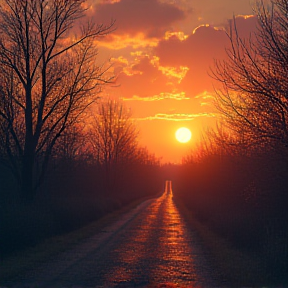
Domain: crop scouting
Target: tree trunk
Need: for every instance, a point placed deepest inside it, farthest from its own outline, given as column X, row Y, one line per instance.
column 27, row 189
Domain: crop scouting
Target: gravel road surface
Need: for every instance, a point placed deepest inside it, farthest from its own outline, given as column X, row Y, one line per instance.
column 150, row 246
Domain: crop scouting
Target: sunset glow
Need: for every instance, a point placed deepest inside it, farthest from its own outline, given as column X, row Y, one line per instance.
column 183, row 135
column 107, row 104
column 161, row 52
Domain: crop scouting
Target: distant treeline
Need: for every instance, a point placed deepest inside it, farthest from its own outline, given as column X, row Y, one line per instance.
column 244, row 200
column 90, row 174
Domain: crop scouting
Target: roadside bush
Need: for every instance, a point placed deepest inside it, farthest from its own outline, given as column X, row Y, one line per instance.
column 71, row 197
column 244, row 200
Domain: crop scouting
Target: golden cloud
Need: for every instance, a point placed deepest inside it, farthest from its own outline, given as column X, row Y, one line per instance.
column 205, row 95
column 169, row 71
column 161, row 96
column 176, row 116
column 200, row 26
column 174, row 72
column 139, row 53
column 131, row 69
column 117, row 42
column 179, row 35
column 245, row 16
column 130, row 72
column 120, row 60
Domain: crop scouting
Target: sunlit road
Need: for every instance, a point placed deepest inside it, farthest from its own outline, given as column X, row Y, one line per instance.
column 150, row 246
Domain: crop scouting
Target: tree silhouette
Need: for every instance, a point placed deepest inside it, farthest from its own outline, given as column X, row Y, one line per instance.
column 113, row 138
column 253, row 97
column 48, row 77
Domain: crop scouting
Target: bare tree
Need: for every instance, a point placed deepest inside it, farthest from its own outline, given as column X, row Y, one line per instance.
column 253, row 98
column 70, row 145
column 114, row 138
column 144, row 157
column 48, row 77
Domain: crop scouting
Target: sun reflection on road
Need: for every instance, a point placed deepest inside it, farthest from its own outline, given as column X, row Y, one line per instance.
column 155, row 249
column 176, row 250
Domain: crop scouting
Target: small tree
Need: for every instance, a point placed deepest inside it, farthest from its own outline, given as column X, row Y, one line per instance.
column 113, row 138
column 48, row 77
column 253, row 98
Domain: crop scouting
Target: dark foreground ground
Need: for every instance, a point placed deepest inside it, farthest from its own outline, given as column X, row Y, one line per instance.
column 148, row 247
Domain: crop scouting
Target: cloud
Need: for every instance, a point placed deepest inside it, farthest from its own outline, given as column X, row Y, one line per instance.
column 198, row 48
column 161, row 96
column 176, row 116
column 179, row 63
column 120, row 41
column 150, row 17
column 143, row 78
column 216, row 12
column 205, row 98
column 246, row 25
column 198, row 52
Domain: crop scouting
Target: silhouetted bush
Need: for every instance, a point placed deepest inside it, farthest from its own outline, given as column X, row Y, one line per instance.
column 243, row 199
column 72, row 196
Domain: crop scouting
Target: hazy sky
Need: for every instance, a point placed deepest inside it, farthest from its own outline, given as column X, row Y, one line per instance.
column 162, row 51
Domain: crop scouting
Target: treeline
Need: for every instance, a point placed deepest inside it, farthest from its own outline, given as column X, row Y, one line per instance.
column 65, row 158
column 236, row 180
column 94, row 169
column 242, row 197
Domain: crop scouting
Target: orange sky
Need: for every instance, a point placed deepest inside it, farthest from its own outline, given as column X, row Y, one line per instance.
column 161, row 52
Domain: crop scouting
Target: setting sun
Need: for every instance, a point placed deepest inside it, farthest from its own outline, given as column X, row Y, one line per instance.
column 183, row 135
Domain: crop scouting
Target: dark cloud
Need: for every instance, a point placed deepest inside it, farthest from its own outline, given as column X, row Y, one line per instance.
column 199, row 51
column 246, row 25
column 204, row 43
column 150, row 17
column 153, row 76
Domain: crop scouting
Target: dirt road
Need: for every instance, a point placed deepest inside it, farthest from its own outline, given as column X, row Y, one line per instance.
column 148, row 247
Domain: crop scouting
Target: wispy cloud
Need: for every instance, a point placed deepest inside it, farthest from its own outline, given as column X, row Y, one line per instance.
column 206, row 98
column 117, row 42
column 175, row 117
column 161, row 96
column 205, row 95
column 179, row 35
